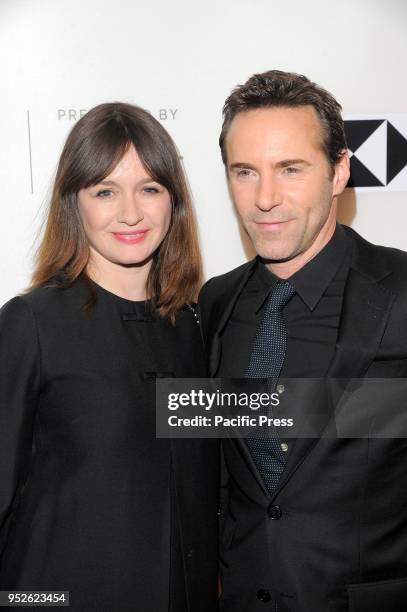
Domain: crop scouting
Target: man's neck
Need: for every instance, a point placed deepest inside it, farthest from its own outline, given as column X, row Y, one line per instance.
column 285, row 269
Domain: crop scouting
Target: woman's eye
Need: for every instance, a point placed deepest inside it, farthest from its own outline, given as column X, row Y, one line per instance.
column 104, row 193
column 151, row 190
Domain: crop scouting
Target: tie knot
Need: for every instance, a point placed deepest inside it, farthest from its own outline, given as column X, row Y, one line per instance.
column 280, row 296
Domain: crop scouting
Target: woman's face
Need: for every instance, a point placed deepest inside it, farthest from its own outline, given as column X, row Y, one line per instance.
column 126, row 216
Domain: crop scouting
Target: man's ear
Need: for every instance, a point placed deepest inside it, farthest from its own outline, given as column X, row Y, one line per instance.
column 341, row 173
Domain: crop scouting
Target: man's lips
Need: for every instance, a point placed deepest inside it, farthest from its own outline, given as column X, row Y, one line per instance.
column 130, row 237
column 271, row 225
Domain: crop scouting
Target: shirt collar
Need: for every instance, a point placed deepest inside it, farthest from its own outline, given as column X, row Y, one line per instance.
column 312, row 280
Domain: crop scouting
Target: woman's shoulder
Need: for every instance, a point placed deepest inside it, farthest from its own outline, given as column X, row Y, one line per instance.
column 42, row 299
column 17, row 320
column 15, row 309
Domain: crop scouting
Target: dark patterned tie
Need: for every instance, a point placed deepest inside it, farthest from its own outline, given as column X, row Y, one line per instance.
column 266, row 361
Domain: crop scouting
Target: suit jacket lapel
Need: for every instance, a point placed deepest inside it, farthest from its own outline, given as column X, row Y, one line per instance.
column 223, row 309
column 365, row 311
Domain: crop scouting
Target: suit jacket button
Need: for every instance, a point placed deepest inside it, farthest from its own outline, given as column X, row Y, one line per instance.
column 275, row 512
column 263, row 595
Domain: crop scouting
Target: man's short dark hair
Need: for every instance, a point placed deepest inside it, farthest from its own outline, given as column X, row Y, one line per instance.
column 276, row 88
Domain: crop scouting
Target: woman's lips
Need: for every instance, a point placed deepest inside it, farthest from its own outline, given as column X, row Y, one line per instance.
column 130, row 237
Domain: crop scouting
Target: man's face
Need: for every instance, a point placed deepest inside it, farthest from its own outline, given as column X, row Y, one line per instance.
column 281, row 181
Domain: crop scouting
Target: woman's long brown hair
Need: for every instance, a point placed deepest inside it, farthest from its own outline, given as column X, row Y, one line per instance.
column 93, row 148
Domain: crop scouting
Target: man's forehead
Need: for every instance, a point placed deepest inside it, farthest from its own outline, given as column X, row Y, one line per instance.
column 275, row 127
column 278, row 117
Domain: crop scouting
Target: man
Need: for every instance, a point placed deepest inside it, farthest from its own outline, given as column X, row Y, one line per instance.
column 310, row 525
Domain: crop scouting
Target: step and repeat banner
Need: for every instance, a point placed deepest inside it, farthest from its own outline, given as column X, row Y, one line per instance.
column 180, row 59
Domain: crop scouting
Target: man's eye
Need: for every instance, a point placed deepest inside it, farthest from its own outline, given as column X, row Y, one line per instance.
column 104, row 193
column 243, row 172
column 292, row 170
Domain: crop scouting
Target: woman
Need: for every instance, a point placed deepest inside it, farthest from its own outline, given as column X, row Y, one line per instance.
column 90, row 501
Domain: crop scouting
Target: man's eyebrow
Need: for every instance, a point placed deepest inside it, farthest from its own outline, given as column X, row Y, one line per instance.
column 281, row 164
column 241, row 165
column 292, row 162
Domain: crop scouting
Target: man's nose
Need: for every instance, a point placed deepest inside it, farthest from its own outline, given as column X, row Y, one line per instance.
column 268, row 194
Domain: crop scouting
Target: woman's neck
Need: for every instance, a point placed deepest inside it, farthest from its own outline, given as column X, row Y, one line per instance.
column 128, row 282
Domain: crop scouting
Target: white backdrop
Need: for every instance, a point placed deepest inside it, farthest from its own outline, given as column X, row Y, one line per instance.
column 180, row 59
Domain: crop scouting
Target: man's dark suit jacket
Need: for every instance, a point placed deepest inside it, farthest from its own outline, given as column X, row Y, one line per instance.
column 333, row 535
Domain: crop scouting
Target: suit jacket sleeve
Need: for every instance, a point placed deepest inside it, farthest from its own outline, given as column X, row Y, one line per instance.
column 19, row 392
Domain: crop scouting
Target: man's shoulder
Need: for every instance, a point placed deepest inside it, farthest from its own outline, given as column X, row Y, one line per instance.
column 377, row 258
column 221, row 285
column 219, row 292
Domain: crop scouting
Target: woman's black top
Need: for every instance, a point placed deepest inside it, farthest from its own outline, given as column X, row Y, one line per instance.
column 91, row 502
